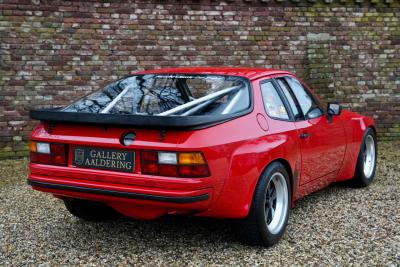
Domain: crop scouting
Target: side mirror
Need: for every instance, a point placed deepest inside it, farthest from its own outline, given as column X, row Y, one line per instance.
column 334, row 109
column 314, row 113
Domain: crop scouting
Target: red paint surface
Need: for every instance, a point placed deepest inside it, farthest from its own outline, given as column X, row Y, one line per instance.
column 237, row 152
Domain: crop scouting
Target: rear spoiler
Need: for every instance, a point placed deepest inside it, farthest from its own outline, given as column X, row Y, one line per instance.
column 139, row 121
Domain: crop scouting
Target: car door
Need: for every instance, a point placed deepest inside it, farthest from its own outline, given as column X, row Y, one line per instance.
column 322, row 141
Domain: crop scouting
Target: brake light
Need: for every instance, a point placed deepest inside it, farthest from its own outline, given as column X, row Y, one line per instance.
column 48, row 153
column 178, row 164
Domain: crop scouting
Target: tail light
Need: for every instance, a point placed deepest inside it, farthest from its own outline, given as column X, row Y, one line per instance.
column 178, row 164
column 48, row 153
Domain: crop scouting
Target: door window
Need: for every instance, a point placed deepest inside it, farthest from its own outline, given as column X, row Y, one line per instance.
column 290, row 97
column 308, row 105
column 272, row 102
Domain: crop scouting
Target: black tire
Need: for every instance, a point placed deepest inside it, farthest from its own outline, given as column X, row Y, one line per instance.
column 89, row 210
column 360, row 179
column 253, row 230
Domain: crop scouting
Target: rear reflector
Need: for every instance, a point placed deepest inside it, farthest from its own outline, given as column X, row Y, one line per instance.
column 168, row 170
column 149, row 168
column 150, row 156
column 193, row 170
column 48, row 153
column 178, row 164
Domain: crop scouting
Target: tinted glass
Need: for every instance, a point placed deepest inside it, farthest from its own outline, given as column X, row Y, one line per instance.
column 286, row 90
column 273, row 102
column 305, row 99
column 168, row 94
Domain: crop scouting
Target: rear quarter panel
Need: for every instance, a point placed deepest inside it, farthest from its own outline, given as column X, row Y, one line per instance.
column 248, row 151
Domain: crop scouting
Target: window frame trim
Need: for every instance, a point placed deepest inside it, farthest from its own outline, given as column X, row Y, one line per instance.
column 304, row 118
column 281, row 96
column 297, row 104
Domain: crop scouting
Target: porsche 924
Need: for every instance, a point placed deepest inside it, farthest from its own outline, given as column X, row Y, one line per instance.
column 236, row 143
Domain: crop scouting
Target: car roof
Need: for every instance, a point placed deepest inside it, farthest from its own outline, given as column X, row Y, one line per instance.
column 250, row 73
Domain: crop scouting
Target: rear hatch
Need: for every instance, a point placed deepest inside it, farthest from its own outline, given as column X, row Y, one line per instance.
column 134, row 126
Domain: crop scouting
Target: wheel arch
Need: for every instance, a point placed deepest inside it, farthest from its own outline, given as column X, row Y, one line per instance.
column 356, row 128
column 373, row 127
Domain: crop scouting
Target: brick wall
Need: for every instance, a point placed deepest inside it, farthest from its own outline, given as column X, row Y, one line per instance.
column 53, row 52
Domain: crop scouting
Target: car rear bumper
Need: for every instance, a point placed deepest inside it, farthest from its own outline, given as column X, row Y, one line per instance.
column 136, row 201
column 122, row 194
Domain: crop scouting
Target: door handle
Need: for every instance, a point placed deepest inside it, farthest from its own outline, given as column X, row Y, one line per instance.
column 304, row 135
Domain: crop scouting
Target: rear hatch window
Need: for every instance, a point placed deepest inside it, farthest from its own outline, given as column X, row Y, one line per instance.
column 163, row 95
column 160, row 100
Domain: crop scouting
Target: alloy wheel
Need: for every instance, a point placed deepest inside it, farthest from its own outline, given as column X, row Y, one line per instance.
column 276, row 203
column 369, row 156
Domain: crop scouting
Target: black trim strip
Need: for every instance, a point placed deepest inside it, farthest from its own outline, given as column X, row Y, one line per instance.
column 140, row 121
column 181, row 200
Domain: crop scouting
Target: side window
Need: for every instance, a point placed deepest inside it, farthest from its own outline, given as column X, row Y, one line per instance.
column 288, row 94
column 272, row 101
column 308, row 105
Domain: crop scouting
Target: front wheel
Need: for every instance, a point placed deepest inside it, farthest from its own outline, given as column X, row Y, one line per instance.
column 269, row 212
column 366, row 162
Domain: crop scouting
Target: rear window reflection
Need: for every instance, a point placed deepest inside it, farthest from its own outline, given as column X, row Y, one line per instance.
column 168, row 94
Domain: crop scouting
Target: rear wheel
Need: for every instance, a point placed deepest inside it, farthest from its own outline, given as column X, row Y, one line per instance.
column 366, row 162
column 269, row 212
column 89, row 210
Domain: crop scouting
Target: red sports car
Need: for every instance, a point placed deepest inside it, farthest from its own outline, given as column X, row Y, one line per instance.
column 238, row 143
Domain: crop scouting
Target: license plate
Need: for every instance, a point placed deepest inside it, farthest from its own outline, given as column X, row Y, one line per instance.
column 105, row 159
